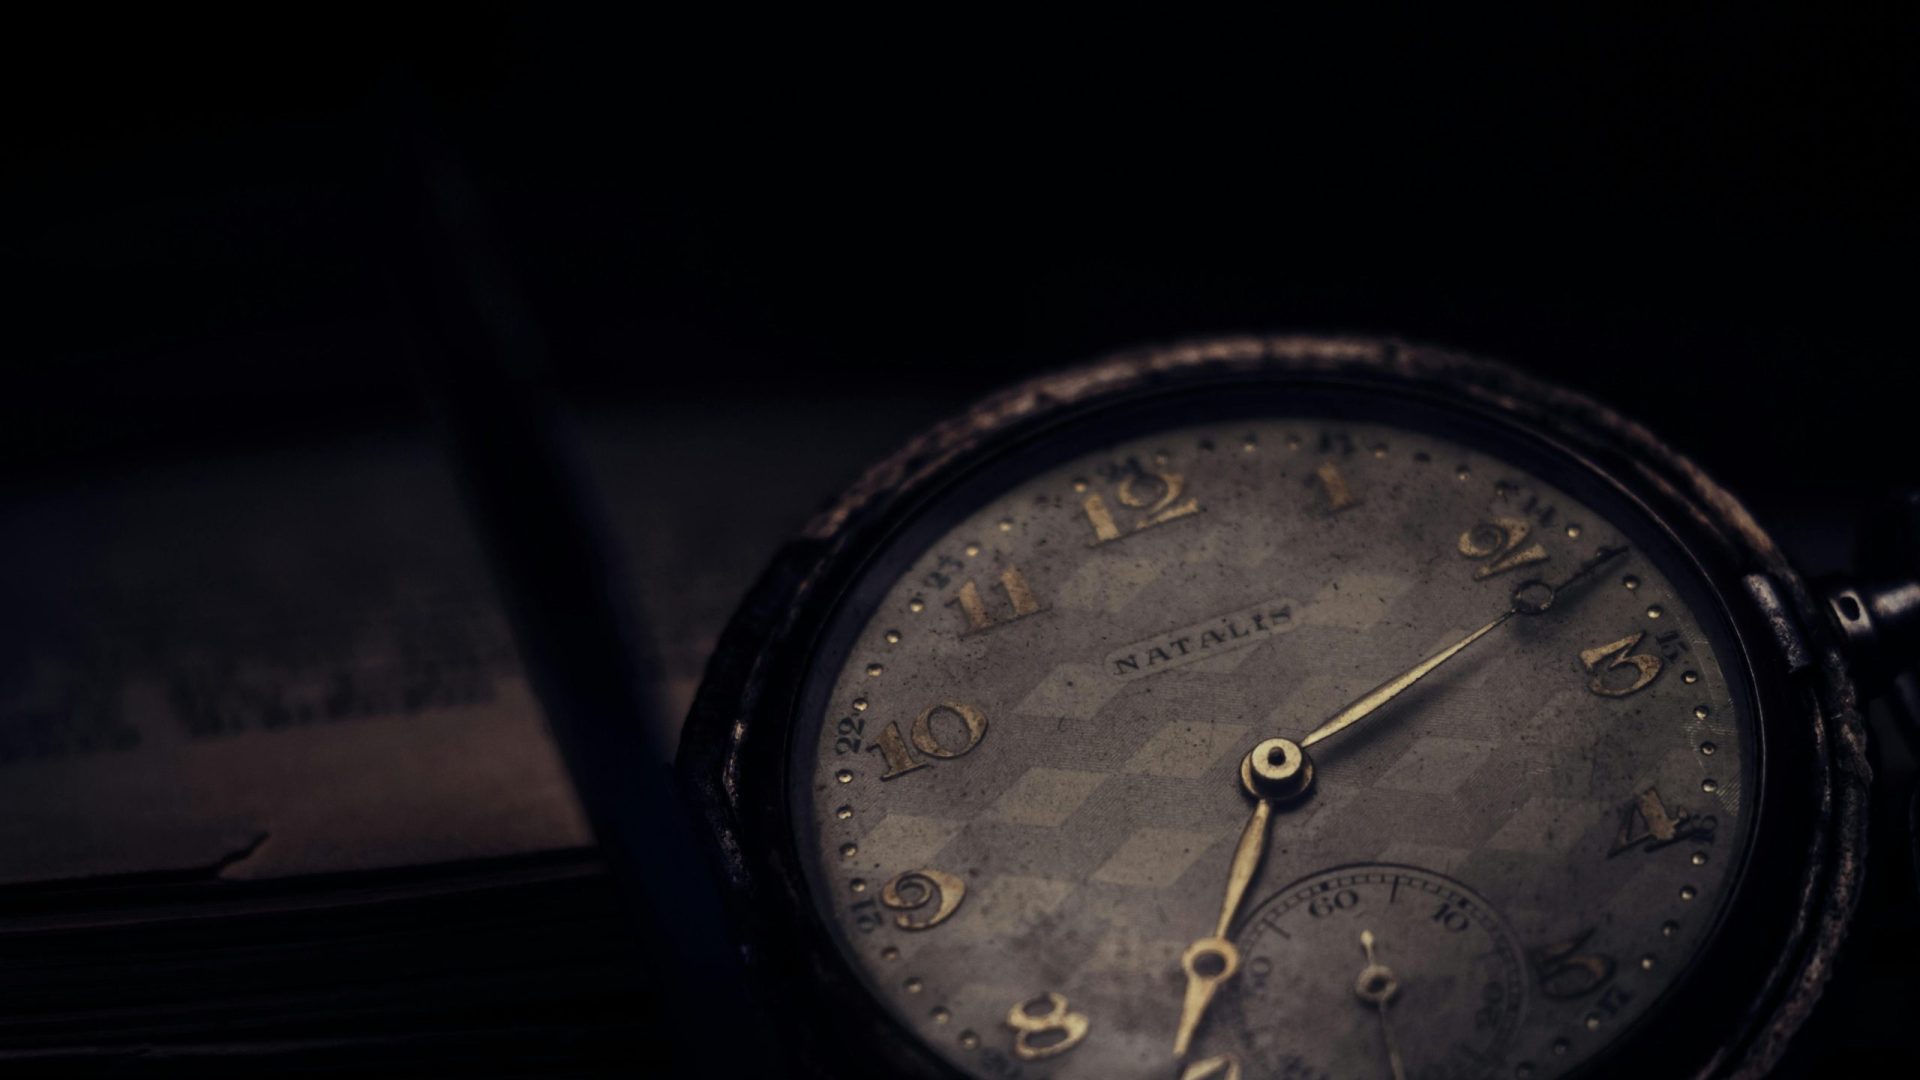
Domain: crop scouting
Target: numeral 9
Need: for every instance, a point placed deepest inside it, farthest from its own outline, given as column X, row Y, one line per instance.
column 915, row 889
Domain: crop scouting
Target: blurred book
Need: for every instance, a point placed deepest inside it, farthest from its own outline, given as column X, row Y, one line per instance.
column 274, row 790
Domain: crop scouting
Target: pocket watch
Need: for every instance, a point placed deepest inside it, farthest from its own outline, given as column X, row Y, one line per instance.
column 1284, row 707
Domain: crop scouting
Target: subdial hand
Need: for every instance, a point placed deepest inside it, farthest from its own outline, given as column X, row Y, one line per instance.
column 1376, row 986
column 1276, row 773
column 1531, row 598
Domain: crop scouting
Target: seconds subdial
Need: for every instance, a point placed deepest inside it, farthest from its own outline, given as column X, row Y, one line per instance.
column 1439, row 989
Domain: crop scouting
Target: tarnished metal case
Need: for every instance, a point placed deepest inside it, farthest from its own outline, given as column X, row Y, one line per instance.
column 1744, row 996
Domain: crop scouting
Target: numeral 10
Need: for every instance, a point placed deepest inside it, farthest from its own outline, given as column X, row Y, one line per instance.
column 924, row 737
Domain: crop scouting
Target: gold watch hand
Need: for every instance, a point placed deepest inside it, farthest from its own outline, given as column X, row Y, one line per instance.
column 1531, row 598
column 1276, row 771
column 1376, row 986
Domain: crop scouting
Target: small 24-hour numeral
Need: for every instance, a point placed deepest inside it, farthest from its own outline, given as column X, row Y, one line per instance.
column 1647, row 824
column 1502, row 543
column 1155, row 508
column 926, row 739
column 915, row 889
column 1601, row 660
column 973, row 605
column 1334, row 487
column 1044, row 1026
column 1565, row 973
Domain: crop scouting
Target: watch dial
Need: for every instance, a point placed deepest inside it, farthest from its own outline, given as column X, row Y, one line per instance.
column 1019, row 792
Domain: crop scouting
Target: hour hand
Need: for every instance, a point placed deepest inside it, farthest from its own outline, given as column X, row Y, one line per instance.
column 1277, row 770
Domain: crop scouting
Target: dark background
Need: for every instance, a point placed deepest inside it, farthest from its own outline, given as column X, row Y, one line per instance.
column 1705, row 220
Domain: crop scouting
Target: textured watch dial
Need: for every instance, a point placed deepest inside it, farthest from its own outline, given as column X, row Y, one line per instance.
column 1021, row 802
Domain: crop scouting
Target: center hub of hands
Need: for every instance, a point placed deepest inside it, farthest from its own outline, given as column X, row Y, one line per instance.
column 1278, row 770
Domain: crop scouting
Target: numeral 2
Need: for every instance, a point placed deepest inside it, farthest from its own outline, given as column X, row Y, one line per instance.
column 1502, row 542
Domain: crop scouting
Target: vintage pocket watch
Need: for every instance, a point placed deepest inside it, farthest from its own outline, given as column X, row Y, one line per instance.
column 1288, row 707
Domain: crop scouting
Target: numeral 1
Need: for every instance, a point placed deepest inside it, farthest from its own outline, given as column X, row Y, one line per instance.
column 1334, row 486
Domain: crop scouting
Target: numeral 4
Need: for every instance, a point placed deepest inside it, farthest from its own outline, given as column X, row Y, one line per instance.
column 1645, row 823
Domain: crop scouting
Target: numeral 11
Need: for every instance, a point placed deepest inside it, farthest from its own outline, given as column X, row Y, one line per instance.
column 974, row 606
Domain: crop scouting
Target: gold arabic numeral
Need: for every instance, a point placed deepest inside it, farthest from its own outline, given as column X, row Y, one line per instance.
column 893, row 749
column 1155, row 509
column 1020, row 598
column 924, row 737
column 1162, row 509
column 915, row 889
column 1218, row 1067
column 1601, row 660
column 1334, row 487
column 1104, row 529
column 1647, row 824
column 1502, row 543
column 1566, row 973
column 1019, row 593
column 1044, row 1026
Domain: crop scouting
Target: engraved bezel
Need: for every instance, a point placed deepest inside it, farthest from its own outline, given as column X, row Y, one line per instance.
column 1743, row 1000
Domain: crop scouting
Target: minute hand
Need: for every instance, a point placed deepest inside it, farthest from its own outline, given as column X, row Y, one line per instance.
column 1531, row 598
